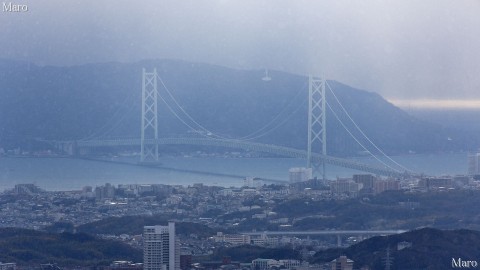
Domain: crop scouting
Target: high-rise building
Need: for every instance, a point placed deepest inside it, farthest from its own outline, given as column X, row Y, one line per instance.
column 252, row 182
column 381, row 185
column 161, row 250
column 474, row 164
column 345, row 186
column 366, row 179
column 342, row 263
column 299, row 174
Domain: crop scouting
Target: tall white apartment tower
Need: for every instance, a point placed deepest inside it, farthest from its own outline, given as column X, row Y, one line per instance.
column 474, row 164
column 161, row 250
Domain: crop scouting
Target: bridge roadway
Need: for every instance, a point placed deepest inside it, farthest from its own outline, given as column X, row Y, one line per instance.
column 327, row 232
column 249, row 146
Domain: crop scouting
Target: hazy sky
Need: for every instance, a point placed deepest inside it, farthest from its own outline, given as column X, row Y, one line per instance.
column 404, row 49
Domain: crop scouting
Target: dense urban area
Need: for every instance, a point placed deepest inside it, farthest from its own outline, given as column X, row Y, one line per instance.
column 306, row 216
column 239, row 135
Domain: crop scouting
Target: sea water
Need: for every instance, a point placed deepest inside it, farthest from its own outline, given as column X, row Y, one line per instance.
column 73, row 174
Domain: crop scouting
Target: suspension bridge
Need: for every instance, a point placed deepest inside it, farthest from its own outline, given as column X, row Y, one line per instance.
column 315, row 154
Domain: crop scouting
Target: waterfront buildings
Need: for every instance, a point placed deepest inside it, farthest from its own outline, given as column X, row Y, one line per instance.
column 299, row 174
column 345, row 186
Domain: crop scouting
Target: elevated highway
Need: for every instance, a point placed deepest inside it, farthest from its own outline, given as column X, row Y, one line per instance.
column 327, row 232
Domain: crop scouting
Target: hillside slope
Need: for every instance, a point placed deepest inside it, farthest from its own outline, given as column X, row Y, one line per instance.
column 28, row 247
column 104, row 100
column 430, row 249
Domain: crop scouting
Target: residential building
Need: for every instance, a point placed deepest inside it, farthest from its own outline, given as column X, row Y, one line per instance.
column 235, row 239
column 474, row 164
column 8, row 266
column 380, row 186
column 435, row 183
column 26, row 189
column 367, row 180
column 161, row 250
column 252, row 182
column 124, row 265
column 299, row 174
column 342, row 263
column 264, row 264
column 345, row 186
column 103, row 192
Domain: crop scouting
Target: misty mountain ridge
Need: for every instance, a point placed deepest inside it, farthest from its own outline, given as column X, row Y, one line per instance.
column 104, row 101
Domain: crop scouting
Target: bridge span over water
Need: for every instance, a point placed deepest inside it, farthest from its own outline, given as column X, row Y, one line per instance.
column 248, row 146
column 149, row 141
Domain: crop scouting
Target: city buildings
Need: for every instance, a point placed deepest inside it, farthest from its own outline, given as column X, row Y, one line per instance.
column 264, row 264
column 161, row 250
column 345, row 186
column 252, row 182
column 124, row 265
column 235, row 239
column 107, row 191
column 8, row 266
column 367, row 181
column 380, row 185
column 430, row 183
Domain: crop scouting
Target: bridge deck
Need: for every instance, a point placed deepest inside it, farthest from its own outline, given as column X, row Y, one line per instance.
column 250, row 146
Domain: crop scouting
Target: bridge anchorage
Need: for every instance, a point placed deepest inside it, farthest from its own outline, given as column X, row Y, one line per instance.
column 317, row 104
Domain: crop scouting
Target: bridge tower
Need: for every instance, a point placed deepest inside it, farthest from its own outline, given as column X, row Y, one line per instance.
column 317, row 127
column 148, row 144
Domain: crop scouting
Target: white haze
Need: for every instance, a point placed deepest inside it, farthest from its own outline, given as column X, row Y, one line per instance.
column 404, row 49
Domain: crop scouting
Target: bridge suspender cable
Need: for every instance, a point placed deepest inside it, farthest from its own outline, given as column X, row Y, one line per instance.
column 254, row 135
column 251, row 136
column 185, row 113
column 360, row 130
column 277, row 126
column 178, row 117
column 108, row 127
column 266, row 129
column 355, row 138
